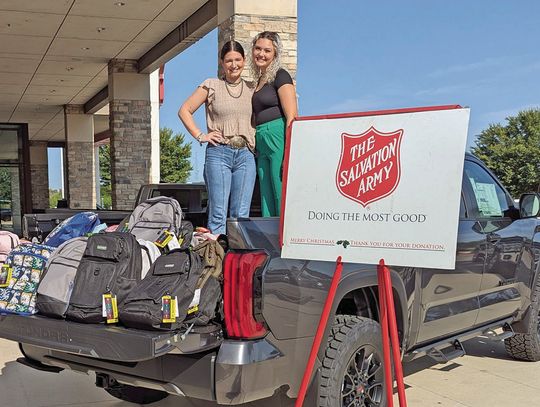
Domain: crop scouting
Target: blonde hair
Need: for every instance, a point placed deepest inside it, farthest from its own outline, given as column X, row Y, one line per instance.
column 270, row 74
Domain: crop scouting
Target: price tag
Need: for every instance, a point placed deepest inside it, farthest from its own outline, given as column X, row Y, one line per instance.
column 169, row 309
column 110, row 308
column 194, row 305
column 5, row 275
column 163, row 239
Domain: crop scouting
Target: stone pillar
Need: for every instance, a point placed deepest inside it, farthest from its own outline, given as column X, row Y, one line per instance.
column 39, row 174
column 130, row 118
column 241, row 20
column 80, row 157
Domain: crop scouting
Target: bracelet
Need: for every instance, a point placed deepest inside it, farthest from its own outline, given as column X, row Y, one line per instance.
column 199, row 136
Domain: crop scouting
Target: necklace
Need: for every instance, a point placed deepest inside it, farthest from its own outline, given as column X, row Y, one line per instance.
column 227, row 85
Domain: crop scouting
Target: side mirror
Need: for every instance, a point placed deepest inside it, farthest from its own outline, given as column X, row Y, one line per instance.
column 529, row 205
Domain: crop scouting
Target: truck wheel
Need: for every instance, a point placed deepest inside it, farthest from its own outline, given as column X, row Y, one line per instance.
column 137, row 395
column 352, row 368
column 526, row 346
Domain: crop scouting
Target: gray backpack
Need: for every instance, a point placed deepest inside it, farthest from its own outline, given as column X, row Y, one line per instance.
column 55, row 288
column 150, row 218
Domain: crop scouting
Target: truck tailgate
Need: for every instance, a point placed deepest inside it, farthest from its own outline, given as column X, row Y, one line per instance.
column 112, row 343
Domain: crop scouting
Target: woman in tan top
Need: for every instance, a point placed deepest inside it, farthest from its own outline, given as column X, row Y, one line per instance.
column 229, row 167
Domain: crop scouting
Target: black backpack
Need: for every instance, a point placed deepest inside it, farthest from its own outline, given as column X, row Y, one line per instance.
column 174, row 275
column 111, row 264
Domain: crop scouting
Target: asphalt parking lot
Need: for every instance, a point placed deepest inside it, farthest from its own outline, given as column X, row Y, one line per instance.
column 485, row 377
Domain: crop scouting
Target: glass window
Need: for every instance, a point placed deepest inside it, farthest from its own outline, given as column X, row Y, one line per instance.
column 462, row 210
column 490, row 198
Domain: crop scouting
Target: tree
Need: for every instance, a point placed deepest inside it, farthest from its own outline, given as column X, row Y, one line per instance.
column 175, row 156
column 512, row 151
column 105, row 164
column 54, row 196
column 105, row 189
column 5, row 184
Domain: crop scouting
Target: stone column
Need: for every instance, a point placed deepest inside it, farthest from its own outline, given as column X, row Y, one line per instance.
column 130, row 118
column 80, row 157
column 39, row 174
column 241, row 20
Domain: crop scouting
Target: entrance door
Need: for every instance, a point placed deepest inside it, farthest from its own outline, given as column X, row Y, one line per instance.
column 11, row 177
column 10, row 198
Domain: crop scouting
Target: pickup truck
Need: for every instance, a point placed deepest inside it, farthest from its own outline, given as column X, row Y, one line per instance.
column 272, row 306
column 192, row 198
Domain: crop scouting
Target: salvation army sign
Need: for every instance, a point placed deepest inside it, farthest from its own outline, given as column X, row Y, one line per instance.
column 375, row 185
column 369, row 165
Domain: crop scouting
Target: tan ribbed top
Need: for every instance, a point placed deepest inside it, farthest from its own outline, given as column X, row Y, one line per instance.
column 230, row 114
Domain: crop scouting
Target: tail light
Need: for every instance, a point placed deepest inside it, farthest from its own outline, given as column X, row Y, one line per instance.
column 238, row 294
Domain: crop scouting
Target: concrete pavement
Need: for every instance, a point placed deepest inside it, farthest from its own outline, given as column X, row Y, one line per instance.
column 485, row 377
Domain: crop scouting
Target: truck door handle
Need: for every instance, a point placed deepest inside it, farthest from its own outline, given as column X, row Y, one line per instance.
column 494, row 238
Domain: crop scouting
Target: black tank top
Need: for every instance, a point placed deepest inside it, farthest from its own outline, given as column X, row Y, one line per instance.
column 266, row 106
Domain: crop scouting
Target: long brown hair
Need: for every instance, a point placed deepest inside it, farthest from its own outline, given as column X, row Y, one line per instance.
column 270, row 74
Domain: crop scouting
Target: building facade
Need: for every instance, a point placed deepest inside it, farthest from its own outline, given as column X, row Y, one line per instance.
column 76, row 75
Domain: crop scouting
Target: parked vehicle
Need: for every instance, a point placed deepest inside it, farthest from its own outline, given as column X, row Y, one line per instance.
column 192, row 197
column 272, row 307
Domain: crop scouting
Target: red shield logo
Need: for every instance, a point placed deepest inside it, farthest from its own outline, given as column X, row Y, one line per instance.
column 369, row 167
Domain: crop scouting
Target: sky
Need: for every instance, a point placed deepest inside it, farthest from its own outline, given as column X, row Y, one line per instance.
column 357, row 56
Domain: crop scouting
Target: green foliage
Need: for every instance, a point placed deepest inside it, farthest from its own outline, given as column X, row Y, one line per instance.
column 105, row 176
column 512, row 151
column 175, row 156
column 54, row 196
column 106, row 196
column 105, row 164
column 5, row 184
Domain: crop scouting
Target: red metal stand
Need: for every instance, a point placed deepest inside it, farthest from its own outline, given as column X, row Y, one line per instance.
column 389, row 325
column 319, row 334
column 389, row 335
column 383, row 319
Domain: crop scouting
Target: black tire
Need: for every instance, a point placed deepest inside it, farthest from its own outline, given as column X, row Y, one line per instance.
column 352, row 368
column 137, row 395
column 526, row 346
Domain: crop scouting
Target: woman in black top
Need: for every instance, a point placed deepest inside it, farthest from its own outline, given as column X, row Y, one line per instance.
column 274, row 108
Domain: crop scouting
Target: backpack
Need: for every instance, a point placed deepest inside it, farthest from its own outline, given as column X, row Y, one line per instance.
column 208, row 291
column 74, row 226
column 150, row 218
column 150, row 252
column 111, row 264
column 56, row 285
column 8, row 241
column 24, row 266
column 174, row 275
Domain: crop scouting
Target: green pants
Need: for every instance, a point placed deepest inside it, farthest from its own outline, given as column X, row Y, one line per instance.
column 270, row 146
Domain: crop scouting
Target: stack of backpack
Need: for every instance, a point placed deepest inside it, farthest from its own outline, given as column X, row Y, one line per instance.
column 145, row 277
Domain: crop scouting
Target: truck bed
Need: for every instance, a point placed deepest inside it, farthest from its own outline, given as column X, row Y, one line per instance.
column 113, row 343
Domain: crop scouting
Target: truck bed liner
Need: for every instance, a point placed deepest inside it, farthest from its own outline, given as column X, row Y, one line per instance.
column 114, row 343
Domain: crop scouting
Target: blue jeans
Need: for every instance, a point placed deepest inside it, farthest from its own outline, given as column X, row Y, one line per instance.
column 229, row 174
